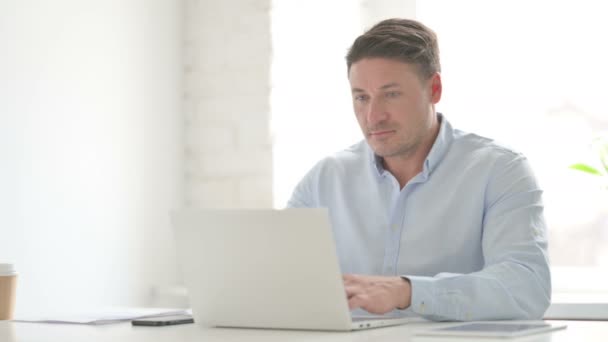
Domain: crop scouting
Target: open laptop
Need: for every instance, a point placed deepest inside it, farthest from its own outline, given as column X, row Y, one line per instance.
column 265, row 269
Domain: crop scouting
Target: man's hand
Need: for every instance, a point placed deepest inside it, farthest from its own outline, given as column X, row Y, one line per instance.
column 377, row 294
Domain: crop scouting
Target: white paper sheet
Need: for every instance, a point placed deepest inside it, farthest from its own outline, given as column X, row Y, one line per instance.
column 102, row 316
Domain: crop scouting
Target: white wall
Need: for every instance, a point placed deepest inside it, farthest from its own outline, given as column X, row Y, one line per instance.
column 90, row 148
column 228, row 160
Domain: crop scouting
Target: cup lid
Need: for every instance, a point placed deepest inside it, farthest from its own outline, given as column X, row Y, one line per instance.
column 7, row 269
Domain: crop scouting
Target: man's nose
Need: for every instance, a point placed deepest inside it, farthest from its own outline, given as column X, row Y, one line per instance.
column 376, row 113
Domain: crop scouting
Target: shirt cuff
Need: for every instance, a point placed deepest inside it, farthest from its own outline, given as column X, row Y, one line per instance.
column 422, row 302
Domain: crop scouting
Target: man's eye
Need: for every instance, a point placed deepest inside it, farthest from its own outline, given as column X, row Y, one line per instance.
column 361, row 98
column 392, row 94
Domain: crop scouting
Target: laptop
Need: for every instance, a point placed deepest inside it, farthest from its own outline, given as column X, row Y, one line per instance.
column 265, row 269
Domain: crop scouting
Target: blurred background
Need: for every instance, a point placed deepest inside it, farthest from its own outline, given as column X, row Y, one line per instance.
column 112, row 113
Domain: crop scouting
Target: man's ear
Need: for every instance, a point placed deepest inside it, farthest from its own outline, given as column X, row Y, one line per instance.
column 436, row 88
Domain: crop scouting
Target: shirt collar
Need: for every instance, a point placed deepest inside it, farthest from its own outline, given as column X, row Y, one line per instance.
column 377, row 167
column 440, row 146
column 436, row 154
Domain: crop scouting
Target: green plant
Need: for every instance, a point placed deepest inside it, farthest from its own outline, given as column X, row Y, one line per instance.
column 600, row 145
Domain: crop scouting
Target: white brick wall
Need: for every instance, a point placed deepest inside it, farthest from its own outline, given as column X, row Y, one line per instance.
column 228, row 152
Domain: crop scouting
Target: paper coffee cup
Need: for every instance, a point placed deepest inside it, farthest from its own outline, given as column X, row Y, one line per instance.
column 8, row 291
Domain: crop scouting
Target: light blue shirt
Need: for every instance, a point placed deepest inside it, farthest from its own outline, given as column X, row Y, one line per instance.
column 468, row 231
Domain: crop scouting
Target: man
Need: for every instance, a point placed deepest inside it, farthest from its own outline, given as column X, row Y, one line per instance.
column 427, row 218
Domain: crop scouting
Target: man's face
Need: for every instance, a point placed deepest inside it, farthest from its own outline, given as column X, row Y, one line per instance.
column 393, row 105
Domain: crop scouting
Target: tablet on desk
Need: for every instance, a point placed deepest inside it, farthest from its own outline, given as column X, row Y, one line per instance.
column 493, row 329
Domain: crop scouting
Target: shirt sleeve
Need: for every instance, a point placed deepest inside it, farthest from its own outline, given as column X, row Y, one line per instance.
column 515, row 282
column 304, row 194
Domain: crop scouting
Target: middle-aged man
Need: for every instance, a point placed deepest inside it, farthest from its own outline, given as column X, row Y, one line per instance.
column 427, row 218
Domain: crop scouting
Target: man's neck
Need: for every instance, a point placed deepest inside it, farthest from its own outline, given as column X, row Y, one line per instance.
column 404, row 168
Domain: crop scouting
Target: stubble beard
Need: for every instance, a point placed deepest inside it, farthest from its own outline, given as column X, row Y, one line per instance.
column 403, row 147
column 403, row 150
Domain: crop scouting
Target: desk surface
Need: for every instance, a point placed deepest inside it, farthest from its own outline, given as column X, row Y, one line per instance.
column 40, row 332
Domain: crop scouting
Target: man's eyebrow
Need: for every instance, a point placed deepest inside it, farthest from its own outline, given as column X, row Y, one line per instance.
column 390, row 85
column 384, row 87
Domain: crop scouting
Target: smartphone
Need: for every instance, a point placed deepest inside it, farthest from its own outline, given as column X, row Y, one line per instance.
column 162, row 321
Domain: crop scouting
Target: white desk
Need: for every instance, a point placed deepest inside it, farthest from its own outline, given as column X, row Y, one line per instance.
column 589, row 331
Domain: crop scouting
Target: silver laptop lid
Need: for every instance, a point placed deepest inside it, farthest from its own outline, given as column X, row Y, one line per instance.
column 261, row 268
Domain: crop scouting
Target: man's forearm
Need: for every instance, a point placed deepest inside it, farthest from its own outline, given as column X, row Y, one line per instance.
column 502, row 291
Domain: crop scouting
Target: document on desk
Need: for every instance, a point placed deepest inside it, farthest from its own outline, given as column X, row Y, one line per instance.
column 102, row 316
